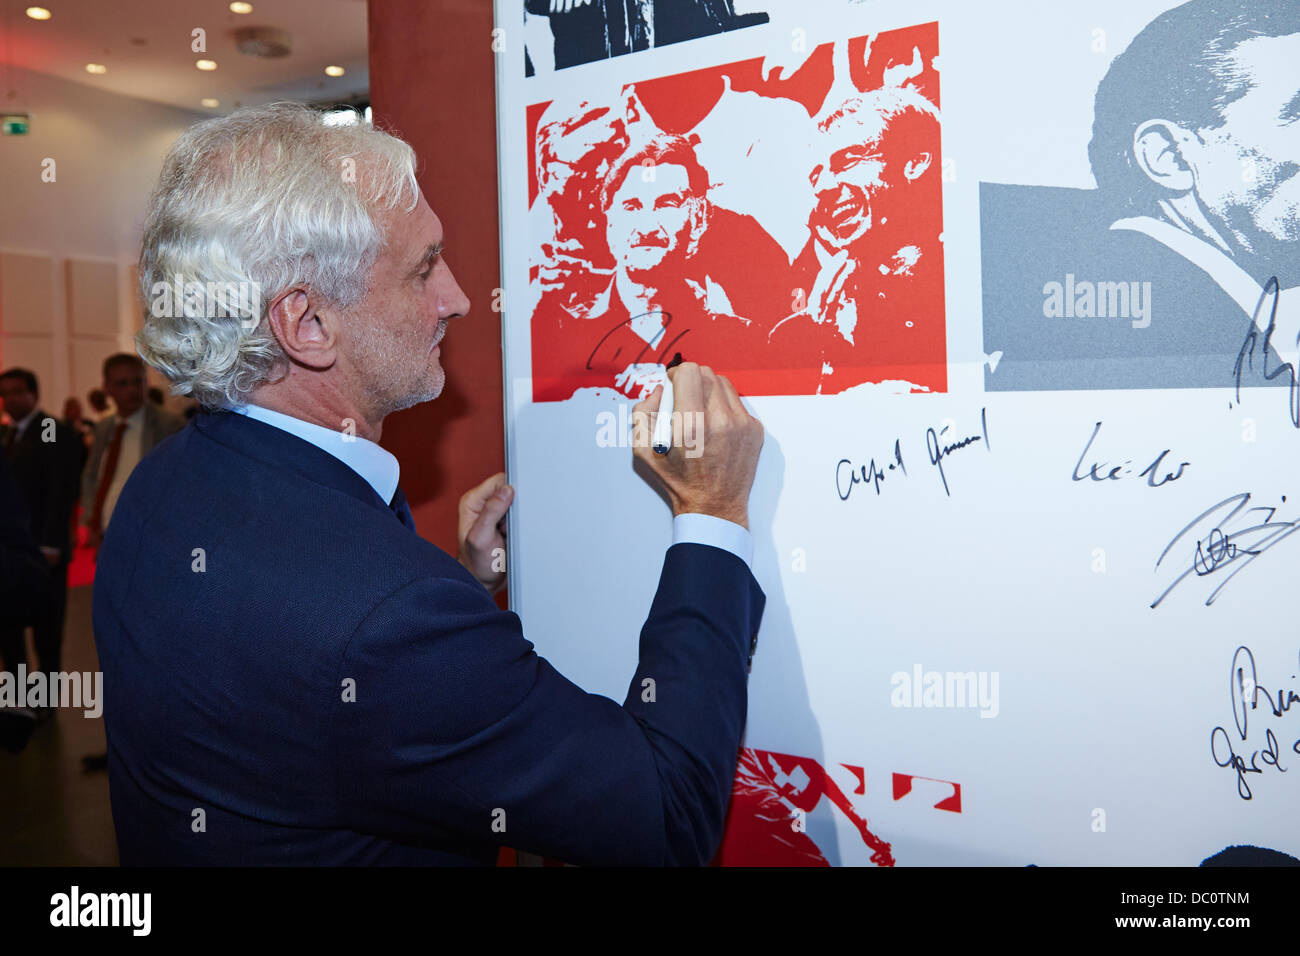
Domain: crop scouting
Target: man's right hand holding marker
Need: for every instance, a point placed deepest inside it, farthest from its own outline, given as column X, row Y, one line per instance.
column 718, row 480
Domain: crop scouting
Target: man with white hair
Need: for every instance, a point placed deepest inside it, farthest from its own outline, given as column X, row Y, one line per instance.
column 870, row 277
column 293, row 675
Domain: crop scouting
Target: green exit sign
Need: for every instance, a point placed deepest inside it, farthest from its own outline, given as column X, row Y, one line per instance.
column 15, row 124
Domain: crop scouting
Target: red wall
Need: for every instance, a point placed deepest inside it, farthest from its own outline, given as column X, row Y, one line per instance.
column 431, row 82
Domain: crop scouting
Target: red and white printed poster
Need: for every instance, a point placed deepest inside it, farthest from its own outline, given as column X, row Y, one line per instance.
column 785, row 230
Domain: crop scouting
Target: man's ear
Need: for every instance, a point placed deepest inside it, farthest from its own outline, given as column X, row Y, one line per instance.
column 915, row 167
column 305, row 329
column 1158, row 149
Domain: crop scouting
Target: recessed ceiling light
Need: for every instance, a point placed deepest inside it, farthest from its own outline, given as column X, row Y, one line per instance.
column 96, row 68
column 38, row 13
column 209, row 103
column 206, row 65
column 334, row 71
column 238, row 7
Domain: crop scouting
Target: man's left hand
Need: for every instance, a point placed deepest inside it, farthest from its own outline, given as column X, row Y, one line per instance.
column 481, row 531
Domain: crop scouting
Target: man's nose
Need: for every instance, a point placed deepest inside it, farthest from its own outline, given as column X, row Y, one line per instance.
column 452, row 302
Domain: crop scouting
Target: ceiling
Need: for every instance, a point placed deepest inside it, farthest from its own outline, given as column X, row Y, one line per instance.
column 146, row 46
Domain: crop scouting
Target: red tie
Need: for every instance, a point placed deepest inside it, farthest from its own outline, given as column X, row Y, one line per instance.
column 106, row 478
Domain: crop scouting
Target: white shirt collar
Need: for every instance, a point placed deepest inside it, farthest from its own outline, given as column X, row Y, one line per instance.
column 377, row 466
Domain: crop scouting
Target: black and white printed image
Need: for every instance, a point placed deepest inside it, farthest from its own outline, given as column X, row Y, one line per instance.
column 564, row 33
column 1180, row 270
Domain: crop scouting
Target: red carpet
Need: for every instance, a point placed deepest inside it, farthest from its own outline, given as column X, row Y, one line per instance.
column 81, row 570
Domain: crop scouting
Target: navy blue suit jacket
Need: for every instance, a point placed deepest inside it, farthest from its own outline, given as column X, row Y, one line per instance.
column 282, row 654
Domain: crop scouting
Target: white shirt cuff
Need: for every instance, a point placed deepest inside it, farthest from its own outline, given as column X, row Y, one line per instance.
column 718, row 532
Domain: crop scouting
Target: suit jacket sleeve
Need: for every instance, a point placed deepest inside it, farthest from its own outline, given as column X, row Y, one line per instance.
column 24, row 577
column 60, row 459
column 459, row 730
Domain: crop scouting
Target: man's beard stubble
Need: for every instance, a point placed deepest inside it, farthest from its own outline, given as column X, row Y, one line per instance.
column 395, row 376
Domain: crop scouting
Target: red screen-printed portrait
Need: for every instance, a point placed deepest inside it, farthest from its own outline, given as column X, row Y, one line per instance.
column 772, row 796
column 779, row 222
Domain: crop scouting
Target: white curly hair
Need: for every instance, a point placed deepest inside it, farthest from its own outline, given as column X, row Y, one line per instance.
column 264, row 199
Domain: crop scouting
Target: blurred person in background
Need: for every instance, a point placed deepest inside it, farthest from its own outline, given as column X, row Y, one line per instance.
column 25, row 593
column 121, row 440
column 45, row 456
column 73, row 418
column 100, row 408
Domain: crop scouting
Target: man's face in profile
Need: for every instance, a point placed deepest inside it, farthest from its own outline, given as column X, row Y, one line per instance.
column 1248, row 173
column 393, row 334
column 15, row 398
column 648, row 223
column 124, row 384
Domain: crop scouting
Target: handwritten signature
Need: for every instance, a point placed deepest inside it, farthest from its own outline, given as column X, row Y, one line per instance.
column 639, row 357
column 1245, row 692
column 1246, row 356
column 939, row 452
column 869, row 474
column 1099, row 470
column 1226, row 534
column 849, row 475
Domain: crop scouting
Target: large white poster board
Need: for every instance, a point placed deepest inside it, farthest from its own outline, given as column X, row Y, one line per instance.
column 995, row 279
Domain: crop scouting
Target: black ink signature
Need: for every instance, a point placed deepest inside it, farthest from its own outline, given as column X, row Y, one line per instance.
column 1269, row 754
column 866, row 474
column 939, row 452
column 1247, row 353
column 1151, row 472
column 661, row 334
column 1244, row 692
column 1222, row 544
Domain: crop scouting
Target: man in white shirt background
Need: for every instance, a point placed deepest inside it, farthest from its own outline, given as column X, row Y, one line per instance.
column 121, row 440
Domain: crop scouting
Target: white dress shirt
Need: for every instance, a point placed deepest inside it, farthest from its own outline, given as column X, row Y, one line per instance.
column 128, row 457
column 380, row 470
column 376, row 465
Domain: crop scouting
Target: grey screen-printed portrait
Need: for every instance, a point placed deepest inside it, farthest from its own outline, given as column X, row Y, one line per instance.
column 1161, row 277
